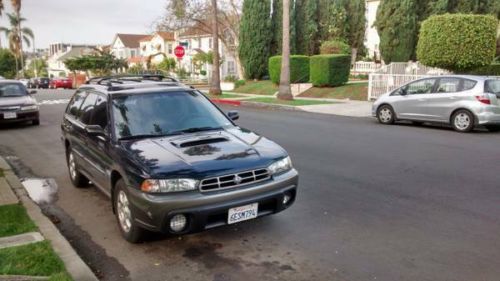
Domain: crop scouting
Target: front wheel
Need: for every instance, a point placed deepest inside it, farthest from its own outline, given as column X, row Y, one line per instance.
column 462, row 121
column 128, row 227
column 386, row 115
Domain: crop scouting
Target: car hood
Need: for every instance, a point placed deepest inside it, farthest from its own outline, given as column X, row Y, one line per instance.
column 10, row 101
column 203, row 154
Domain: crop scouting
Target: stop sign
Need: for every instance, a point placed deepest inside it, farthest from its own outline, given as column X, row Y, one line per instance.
column 179, row 51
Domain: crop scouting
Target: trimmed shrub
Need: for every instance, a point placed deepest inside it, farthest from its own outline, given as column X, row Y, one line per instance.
column 489, row 70
column 335, row 47
column 299, row 69
column 457, row 42
column 330, row 70
column 239, row 83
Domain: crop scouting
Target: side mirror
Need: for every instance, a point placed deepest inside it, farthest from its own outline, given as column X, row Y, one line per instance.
column 233, row 115
column 95, row 130
column 32, row 92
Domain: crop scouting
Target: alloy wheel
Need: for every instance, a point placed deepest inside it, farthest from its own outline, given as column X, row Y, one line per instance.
column 123, row 210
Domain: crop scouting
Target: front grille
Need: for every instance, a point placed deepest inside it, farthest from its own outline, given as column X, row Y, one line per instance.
column 11, row 108
column 234, row 180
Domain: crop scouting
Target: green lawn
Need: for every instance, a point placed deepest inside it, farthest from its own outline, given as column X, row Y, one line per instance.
column 14, row 220
column 36, row 259
column 258, row 88
column 225, row 95
column 284, row 102
column 355, row 91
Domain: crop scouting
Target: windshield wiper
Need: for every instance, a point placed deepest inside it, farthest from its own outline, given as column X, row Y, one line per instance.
column 143, row 136
column 195, row 130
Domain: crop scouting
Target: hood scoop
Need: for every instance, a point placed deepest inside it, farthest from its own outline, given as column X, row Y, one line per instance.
column 198, row 140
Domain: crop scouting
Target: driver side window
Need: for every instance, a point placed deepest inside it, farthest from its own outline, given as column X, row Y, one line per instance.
column 425, row 86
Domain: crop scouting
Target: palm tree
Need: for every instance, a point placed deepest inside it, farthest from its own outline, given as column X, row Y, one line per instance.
column 16, row 5
column 285, row 92
column 215, row 84
column 16, row 35
column 1, row 11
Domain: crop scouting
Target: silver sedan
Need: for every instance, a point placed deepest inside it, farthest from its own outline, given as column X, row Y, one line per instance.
column 464, row 102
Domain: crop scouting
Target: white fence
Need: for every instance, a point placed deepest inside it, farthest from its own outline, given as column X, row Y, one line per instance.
column 392, row 76
column 363, row 67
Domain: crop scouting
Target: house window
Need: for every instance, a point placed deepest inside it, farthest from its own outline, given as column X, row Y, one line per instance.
column 210, row 43
column 132, row 53
column 231, row 68
column 199, row 43
column 170, row 51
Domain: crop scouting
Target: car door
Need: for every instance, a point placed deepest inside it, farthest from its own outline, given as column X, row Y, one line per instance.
column 72, row 127
column 98, row 145
column 449, row 91
column 413, row 99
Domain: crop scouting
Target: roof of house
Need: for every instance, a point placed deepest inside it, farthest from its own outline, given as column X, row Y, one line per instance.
column 147, row 38
column 77, row 51
column 169, row 36
column 131, row 40
column 199, row 29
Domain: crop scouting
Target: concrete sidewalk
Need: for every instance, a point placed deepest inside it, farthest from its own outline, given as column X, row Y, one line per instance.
column 10, row 186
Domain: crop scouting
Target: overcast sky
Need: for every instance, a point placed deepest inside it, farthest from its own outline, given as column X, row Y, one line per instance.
column 85, row 21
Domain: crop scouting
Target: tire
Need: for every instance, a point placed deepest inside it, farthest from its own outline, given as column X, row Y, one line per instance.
column 386, row 115
column 125, row 216
column 463, row 121
column 35, row 122
column 77, row 178
column 493, row 128
column 417, row 123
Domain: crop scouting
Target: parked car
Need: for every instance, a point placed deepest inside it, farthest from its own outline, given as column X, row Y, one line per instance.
column 464, row 102
column 24, row 82
column 64, row 83
column 42, row 83
column 169, row 159
column 17, row 104
column 32, row 83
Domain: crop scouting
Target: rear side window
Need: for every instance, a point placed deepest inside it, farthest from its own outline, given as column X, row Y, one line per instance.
column 87, row 108
column 75, row 104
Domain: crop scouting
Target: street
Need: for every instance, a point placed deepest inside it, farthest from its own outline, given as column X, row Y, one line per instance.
column 375, row 203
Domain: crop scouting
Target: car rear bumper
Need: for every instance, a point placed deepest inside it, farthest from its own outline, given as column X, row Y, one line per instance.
column 21, row 117
column 489, row 116
column 208, row 210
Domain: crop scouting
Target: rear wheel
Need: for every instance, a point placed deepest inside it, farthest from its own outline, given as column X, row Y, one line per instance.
column 462, row 121
column 493, row 128
column 386, row 115
column 76, row 177
column 123, row 211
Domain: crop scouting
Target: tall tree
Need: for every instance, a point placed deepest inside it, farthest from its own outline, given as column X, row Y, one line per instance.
column 285, row 92
column 16, row 36
column 16, row 5
column 397, row 27
column 276, row 25
column 307, row 22
column 1, row 12
column 356, row 9
column 215, row 83
column 255, row 35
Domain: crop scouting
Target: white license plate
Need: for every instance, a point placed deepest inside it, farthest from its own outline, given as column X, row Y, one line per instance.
column 9, row 115
column 242, row 213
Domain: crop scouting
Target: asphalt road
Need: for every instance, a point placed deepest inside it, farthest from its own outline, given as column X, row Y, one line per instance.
column 375, row 203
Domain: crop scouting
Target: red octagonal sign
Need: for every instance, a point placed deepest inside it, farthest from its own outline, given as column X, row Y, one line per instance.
column 179, row 51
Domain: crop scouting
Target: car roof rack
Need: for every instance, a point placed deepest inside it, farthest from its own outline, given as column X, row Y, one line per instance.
column 120, row 79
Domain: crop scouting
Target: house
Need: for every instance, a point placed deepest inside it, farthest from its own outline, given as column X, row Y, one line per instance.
column 154, row 48
column 59, row 52
column 372, row 40
column 126, row 46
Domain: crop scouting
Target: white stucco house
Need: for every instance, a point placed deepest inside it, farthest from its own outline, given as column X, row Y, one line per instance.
column 126, row 46
column 157, row 46
column 372, row 40
column 59, row 52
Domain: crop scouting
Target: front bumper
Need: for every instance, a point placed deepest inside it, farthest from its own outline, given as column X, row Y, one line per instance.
column 210, row 209
column 22, row 116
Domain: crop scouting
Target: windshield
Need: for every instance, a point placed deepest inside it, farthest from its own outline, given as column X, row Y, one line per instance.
column 157, row 114
column 492, row 86
column 12, row 90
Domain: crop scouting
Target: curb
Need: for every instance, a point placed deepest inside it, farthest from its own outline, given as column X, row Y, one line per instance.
column 74, row 264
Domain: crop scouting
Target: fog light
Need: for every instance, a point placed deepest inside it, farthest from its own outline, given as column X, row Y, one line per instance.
column 286, row 198
column 178, row 223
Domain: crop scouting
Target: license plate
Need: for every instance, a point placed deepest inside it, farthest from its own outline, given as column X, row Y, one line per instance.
column 9, row 115
column 242, row 213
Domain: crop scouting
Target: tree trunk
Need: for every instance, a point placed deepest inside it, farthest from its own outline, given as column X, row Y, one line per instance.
column 285, row 92
column 21, row 55
column 354, row 55
column 215, row 81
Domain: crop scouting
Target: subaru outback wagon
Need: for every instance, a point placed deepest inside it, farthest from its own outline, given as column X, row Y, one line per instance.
column 169, row 159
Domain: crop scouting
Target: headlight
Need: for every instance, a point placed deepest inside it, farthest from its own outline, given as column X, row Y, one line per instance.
column 167, row 186
column 281, row 166
column 29, row 107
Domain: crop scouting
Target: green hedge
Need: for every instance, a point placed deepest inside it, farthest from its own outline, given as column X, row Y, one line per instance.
column 330, row 70
column 457, row 42
column 489, row 70
column 299, row 69
column 335, row 47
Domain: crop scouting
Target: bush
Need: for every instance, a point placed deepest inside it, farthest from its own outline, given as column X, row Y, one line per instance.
column 299, row 69
column 489, row 70
column 239, row 83
column 330, row 70
column 7, row 64
column 335, row 47
column 230, row 78
column 457, row 42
